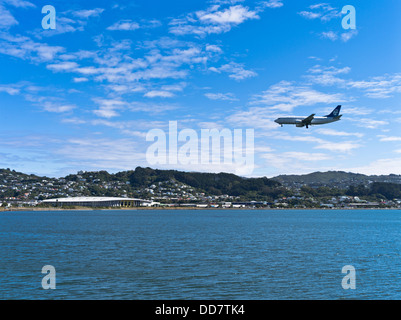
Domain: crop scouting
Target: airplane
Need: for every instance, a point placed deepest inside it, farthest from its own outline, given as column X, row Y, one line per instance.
column 311, row 120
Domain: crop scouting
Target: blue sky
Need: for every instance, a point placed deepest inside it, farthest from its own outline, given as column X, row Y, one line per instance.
column 84, row 96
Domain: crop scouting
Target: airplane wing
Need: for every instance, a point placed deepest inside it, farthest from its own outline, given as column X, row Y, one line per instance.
column 309, row 119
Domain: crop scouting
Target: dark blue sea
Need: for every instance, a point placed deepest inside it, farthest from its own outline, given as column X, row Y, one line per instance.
column 201, row 254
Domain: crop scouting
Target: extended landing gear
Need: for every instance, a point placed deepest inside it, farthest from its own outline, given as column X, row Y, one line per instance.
column 307, row 126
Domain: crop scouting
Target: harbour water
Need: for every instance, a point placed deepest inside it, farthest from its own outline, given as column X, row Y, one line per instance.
column 201, row 254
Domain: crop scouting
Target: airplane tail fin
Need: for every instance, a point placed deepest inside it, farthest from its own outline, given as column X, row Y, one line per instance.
column 335, row 112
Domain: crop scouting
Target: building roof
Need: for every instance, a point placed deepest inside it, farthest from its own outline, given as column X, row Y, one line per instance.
column 93, row 199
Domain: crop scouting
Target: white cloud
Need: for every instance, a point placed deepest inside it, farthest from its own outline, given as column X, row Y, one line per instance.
column 285, row 96
column 182, row 28
column 254, row 117
column 7, row 20
column 11, row 90
column 125, row 127
column 111, row 107
column 108, row 107
column 58, row 108
column 332, row 132
column 20, row 3
column 164, row 60
column 73, row 121
column 325, row 13
column 338, row 146
column 306, row 156
column 68, row 22
column 379, row 167
column 174, row 87
column 120, row 89
column 150, row 23
column 64, row 25
column 235, row 70
column 213, row 48
column 390, row 139
column 151, row 107
column 322, row 11
column 232, row 15
column 326, row 76
column 221, row 96
column 273, row 4
column 113, row 63
column 159, row 94
column 37, row 96
column 80, row 79
column 106, row 113
column 25, row 48
column 294, row 162
column 107, row 154
column 329, row 35
column 309, row 15
column 217, row 19
column 85, row 14
column 370, row 123
column 222, row 2
column 345, row 36
column 379, row 87
column 63, row 66
column 125, row 25
column 357, row 111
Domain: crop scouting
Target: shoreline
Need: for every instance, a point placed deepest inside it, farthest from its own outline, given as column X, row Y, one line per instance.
column 180, row 208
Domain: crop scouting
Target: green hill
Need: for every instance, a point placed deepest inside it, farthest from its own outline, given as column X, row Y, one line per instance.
column 209, row 183
column 334, row 179
column 173, row 185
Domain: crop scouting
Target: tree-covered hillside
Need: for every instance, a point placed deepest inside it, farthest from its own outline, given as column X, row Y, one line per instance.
column 337, row 179
column 173, row 185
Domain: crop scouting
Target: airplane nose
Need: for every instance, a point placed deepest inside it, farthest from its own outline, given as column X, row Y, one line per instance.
column 276, row 121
